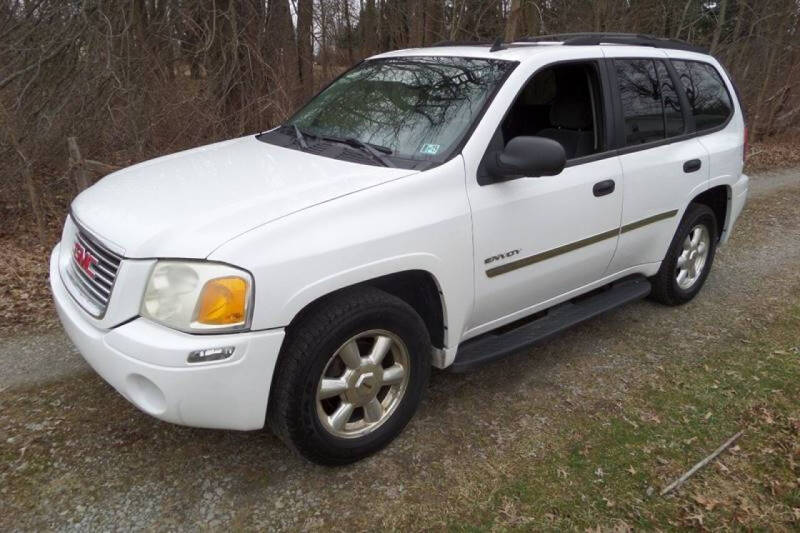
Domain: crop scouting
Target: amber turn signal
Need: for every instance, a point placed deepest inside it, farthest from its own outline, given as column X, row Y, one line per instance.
column 223, row 301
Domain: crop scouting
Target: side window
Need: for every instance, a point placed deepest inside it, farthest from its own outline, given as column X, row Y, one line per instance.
column 562, row 102
column 708, row 98
column 641, row 101
column 673, row 116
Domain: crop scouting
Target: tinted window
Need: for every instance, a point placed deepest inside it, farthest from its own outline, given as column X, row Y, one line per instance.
column 641, row 100
column 673, row 116
column 419, row 108
column 706, row 92
column 563, row 103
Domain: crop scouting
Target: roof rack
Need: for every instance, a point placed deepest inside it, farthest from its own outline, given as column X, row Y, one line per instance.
column 633, row 39
column 587, row 39
column 460, row 43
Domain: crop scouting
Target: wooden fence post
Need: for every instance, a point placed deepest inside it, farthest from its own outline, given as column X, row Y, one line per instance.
column 75, row 159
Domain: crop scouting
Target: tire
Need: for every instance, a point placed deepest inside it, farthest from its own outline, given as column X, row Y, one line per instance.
column 300, row 411
column 667, row 286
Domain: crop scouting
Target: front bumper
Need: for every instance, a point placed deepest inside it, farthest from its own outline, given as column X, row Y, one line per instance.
column 146, row 363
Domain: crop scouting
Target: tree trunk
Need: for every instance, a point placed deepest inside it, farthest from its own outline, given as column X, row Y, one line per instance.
column 349, row 27
column 283, row 49
column 513, row 19
column 36, row 208
column 369, row 27
column 723, row 5
column 417, row 22
column 305, row 47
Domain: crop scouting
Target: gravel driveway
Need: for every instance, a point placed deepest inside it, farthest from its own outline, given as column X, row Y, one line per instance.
column 77, row 456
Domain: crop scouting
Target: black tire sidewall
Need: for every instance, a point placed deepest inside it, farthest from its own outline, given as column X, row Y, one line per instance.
column 389, row 316
column 695, row 214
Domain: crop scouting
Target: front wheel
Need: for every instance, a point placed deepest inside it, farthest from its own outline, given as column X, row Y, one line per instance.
column 350, row 376
column 689, row 258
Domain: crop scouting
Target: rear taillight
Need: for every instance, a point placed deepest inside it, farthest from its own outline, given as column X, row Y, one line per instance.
column 746, row 147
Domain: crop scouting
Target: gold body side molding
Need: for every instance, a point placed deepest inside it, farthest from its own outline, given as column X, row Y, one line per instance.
column 549, row 254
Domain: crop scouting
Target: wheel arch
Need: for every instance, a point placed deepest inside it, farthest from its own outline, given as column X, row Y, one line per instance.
column 418, row 288
column 718, row 199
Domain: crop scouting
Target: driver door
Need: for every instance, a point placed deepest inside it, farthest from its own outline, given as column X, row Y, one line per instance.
column 538, row 239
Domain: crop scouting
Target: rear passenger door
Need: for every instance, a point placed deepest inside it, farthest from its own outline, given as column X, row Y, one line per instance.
column 662, row 163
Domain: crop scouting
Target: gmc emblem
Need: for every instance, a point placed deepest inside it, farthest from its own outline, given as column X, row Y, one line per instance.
column 84, row 259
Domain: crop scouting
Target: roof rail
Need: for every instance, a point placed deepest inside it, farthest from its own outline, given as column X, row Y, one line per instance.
column 459, row 43
column 633, row 39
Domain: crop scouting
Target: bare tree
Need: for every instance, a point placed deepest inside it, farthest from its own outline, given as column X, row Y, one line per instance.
column 134, row 79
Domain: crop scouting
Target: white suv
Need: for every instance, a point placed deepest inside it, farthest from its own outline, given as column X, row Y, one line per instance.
column 442, row 206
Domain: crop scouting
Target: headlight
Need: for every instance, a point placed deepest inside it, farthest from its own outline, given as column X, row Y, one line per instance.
column 198, row 297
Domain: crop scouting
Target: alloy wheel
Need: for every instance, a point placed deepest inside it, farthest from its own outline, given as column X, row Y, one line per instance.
column 363, row 383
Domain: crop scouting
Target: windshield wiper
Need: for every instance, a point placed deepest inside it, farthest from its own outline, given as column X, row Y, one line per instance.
column 376, row 151
column 300, row 137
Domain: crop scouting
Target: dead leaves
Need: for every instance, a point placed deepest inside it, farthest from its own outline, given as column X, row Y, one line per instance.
column 706, row 502
column 24, row 272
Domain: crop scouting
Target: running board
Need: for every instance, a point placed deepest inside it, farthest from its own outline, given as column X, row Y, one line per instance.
column 492, row 345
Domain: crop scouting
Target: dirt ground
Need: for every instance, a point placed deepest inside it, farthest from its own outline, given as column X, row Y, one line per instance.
column 75, row 455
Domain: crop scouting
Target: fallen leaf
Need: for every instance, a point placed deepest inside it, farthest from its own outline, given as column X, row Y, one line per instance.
column 707, row 503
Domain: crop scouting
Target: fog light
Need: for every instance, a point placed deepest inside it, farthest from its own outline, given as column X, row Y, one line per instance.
column 210, row 354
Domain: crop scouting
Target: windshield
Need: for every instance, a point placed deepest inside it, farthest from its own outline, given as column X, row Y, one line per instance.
column 414, row 108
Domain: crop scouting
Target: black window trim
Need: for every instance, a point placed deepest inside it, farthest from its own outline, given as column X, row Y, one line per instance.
column 620, row 119
column 724, row 86
column 690, row 134
column 612, row 111
column 688, row 118
column 610, row 148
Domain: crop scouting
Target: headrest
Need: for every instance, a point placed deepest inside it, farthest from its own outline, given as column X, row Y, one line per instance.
column 570, row 113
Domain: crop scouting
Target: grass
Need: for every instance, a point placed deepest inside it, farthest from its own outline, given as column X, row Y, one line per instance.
column 607, row 472
column 597, row 468
column 73, row 452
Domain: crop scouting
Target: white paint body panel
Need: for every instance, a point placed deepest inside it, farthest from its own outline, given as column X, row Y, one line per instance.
column 306, row 226
column 535, row 215
column 655, row 183
column 189, row 203
column 418, row 223
column 146, row 363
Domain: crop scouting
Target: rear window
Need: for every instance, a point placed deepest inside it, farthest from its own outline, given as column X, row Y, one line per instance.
column 708, row 97
column 651, row 108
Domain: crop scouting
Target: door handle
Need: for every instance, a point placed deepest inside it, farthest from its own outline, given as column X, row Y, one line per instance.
column 604, row 187
column 693, row 165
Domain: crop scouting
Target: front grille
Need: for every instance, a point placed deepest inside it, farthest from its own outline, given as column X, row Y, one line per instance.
column 93, row 269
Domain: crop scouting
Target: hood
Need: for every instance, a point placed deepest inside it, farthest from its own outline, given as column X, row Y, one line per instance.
column 189, row 203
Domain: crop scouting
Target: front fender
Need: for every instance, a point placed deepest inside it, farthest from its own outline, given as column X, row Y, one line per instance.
column 420, row 222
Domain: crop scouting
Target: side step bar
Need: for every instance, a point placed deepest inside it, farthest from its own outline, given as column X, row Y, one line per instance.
column 492, row 346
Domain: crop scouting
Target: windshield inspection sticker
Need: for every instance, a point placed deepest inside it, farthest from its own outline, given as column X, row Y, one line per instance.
column 430, row 149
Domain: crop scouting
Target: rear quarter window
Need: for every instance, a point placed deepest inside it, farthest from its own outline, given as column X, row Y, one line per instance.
column 709, row 100
column 642, row 110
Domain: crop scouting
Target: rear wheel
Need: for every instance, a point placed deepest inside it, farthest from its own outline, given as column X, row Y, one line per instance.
column 689, row 258
column 351, row 375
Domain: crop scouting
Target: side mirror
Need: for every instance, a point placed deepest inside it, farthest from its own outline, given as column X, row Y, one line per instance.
column 527, row 157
